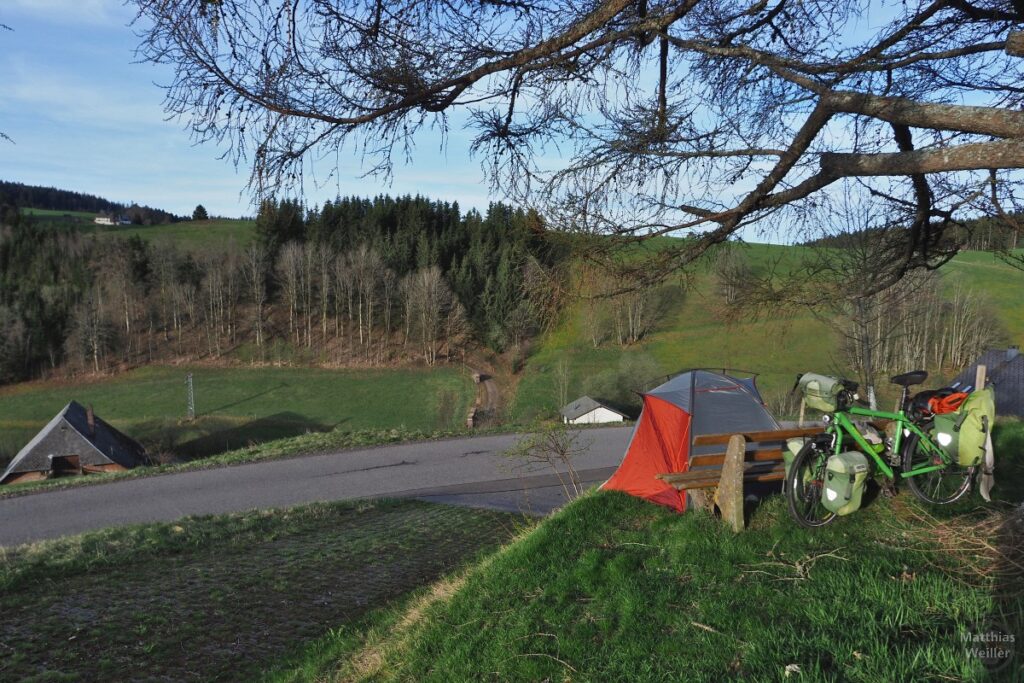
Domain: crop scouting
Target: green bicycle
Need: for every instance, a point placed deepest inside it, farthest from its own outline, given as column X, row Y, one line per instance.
column 908, row 454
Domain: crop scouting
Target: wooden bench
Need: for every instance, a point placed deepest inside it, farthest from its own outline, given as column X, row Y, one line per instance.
column 748, row 457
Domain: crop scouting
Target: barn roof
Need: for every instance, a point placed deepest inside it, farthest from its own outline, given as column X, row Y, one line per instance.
column 582, row 406
column 1005, row 371
column 68, row 433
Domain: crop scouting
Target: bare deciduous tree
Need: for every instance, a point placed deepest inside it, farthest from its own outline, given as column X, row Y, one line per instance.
column 93, row 335
column 732, row 271
column 255, row 269
column 324, row 260
column 343, row 294
column 695, row 116
column 435, row 312
column 884, row 328
column 290, row 271
column 556, row 447
column 367, row 269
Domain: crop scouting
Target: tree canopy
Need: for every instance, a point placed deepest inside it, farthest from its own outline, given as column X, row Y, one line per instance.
column 199, row 213
column 628, row 117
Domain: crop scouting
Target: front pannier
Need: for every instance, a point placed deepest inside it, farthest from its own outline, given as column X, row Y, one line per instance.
column 845, row 476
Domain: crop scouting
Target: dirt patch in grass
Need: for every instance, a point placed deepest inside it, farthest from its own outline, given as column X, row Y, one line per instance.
column 228, row 609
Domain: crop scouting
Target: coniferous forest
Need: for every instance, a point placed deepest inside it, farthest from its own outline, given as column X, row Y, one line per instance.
column 354, row 282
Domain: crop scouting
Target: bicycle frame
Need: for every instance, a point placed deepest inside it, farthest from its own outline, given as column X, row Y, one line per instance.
column 841, row 423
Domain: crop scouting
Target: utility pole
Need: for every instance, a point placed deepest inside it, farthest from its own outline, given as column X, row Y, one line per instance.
column 191, row 398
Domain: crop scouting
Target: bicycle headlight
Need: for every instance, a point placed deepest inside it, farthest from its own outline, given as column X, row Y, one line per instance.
column 944, row 439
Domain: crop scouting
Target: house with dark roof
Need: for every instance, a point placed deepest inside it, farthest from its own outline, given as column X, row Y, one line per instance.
column 1005, row 371
column 586, row 410
column 73, row 442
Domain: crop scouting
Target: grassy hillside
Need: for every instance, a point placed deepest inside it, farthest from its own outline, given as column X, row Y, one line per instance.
column 238, row 406
column 191, row 235
column 188, row 235
column 614, row 588
column 694, row 333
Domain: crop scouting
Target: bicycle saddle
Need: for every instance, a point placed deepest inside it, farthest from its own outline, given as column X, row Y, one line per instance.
column 910, row 378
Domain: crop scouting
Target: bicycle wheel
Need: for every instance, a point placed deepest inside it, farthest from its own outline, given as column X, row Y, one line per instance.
column 940, row 487
column 804, row 487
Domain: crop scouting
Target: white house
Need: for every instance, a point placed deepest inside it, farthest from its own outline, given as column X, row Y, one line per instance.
column 103, row 220
column 587, row 411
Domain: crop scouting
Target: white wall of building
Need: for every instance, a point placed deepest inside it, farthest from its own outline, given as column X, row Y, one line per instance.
column 596, row 416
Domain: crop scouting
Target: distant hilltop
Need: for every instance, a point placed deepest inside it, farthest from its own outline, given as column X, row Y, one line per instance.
column 53, row 199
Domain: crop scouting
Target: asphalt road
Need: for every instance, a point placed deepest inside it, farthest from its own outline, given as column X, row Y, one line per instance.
column 467, row 471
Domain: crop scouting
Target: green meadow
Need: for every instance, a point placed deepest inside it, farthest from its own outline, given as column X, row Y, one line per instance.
column 191, row 234
column 236, row 407
column 696, row 333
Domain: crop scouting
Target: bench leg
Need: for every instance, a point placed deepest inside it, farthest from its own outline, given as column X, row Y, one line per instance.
column 730, row 488
column 701, row 499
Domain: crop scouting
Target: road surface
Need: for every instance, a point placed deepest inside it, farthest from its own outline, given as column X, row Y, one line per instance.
column 466, row 471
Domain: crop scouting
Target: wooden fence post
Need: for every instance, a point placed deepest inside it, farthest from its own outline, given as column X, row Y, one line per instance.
column 730, row 488
column 979, row 378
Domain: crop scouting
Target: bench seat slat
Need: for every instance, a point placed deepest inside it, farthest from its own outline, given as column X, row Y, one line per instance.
column 757, row 437
column 712, row 475
column 771, row 436
column 773, row 474
column 761, row 454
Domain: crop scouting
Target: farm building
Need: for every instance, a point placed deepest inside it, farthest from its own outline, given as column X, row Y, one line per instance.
column 74, row 442
column 1005, row 372
column 587, row 411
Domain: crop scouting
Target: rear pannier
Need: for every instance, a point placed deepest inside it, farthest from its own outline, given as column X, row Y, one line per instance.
column 962, row 434
column 820, row 392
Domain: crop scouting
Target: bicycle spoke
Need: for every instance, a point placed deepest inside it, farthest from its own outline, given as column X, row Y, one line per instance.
column 939, row 487
column 804, row 488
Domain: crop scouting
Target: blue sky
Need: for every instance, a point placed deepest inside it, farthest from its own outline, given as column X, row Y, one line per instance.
column 84, row 117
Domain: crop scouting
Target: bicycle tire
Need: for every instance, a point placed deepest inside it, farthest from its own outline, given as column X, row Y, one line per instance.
column 930, row 487
column 805, row 502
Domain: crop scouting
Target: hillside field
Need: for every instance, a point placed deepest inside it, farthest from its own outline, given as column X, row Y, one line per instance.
column 695, row 333
column 190, row 234
column 238, row 406
column 187, row 235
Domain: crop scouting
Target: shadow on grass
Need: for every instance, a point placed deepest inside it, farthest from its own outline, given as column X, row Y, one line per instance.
column 269, row 428
column 211, row 411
